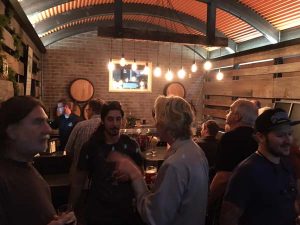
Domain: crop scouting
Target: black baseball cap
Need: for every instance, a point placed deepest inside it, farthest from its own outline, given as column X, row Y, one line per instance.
column 271, row 119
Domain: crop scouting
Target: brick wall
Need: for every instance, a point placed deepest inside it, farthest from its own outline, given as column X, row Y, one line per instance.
column 86, row 56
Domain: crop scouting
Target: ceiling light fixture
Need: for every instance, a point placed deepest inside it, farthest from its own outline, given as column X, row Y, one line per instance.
column 181, row 73
column 220, row 75
column 194, row 67
column 110, row 65
column 122, row 60
column 157, row 70
column 134, row 65
column 146, row 68
column 207, row 64
column 169, row 75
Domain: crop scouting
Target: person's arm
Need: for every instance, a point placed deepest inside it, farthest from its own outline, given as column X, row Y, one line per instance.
column 79, row 177
column 157, row 207
column 218, row 186
column 77, row 183
column 230, row 214
column 240, row 192
column 71, row 141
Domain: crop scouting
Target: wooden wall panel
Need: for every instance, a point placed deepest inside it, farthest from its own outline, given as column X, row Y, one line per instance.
column 292, row 59
column 218, row 88
column 290, row 51
column 262, row 88
column 218, row 101
column 263, row 81
column 215, row 113
column 13, row 63
column 271, row 54
column 292, row 74
column 287, row 87
column 281, row 68
column 6, row 90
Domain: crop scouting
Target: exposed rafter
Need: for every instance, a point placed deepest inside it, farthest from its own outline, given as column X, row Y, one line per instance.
column 129, row 33
column 70, row 31
column 249, row 16
column 118, row 17
column 211, row 23
column 33, row 6
column 81, row 28
column 132, row 8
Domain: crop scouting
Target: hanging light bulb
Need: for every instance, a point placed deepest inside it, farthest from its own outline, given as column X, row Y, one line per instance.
column 194, row 67
column 134, row 65
column 122, row 61
column 110, row 65
column 219, row 75
column 181, row 73
column 169, row 75
column 157, row 71
column 146, row 69
column 207, row 65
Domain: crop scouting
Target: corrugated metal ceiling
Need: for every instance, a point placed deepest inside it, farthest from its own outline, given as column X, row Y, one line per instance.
column 233, row 20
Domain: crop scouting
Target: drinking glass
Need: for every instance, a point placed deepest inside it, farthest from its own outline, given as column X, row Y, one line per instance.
column 150, row 175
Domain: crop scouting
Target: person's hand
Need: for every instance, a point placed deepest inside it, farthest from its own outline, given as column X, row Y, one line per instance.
column 125, row 167
column 65, row 218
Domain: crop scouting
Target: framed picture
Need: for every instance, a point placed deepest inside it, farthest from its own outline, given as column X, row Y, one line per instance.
column 124, row 79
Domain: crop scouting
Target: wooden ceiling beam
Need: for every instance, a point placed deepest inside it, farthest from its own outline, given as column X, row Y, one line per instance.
column 211, row 23
column 188, row 39
column 249, row 16
column 118, row 16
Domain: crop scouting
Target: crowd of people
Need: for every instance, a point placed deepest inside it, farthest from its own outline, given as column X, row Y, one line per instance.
column 245, row 177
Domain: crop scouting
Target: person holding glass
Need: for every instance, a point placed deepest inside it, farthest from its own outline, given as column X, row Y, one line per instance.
column 109, row 202
column 25, row 197
column 180, row 192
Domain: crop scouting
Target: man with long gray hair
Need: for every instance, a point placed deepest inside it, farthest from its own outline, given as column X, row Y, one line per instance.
column 25, row 196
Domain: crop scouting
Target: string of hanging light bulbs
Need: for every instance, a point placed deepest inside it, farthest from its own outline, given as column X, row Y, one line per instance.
column 157, row 70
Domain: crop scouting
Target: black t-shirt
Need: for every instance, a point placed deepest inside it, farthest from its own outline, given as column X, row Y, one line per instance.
column 65, row 127
column 265, row 191
column 234, row 147
column 109, row 201
column 209, row 145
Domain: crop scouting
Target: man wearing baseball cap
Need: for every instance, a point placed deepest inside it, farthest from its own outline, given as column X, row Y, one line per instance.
column 262, row 189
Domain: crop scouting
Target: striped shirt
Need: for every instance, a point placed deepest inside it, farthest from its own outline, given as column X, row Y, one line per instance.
column 81, row 134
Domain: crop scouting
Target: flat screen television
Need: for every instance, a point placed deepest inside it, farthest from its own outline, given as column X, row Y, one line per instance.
column 286, row 106
column 295, row 116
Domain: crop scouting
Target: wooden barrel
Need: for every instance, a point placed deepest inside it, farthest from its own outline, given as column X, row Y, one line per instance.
column 81, row 90
column 174, row 88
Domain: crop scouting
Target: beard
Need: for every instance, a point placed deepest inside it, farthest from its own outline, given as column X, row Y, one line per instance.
column 275, row 151
column 113, row 131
